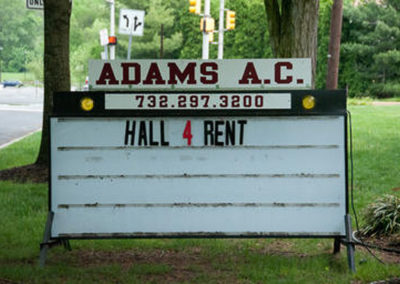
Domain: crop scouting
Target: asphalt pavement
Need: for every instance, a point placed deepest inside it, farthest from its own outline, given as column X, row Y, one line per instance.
column 21, row 111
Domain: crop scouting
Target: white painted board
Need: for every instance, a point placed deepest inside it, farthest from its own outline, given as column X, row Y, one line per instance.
column 283, row 176
column 227, row 74
column 103, row 37
column 197, row 101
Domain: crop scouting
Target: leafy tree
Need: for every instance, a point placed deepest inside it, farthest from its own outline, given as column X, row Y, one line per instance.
column 250, row 39
column 370, row 49
column 86, row 23
column 20, row 34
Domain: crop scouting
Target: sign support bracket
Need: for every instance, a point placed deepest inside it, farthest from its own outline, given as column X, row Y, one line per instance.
column 48, row 242
column 350, row 244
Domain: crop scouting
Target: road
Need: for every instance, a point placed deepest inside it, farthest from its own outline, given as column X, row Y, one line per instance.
column 20, row 112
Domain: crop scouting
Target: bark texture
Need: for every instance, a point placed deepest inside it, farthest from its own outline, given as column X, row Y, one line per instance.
column 293, row 29
column 56, row 63
column 334, row 45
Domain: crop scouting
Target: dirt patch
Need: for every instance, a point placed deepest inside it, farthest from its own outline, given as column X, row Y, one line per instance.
column 30, row 173
column 179, row 265
column 376, row 103
column 389, row 243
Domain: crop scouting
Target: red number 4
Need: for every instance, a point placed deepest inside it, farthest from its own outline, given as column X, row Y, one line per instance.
column 187, row 133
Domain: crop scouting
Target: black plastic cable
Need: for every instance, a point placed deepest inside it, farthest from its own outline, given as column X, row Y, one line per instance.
column 360, row 241
column 357, row 241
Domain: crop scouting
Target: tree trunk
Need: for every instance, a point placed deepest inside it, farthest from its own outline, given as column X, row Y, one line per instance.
column 56, row 63
column 334, row 45
column 293, row 29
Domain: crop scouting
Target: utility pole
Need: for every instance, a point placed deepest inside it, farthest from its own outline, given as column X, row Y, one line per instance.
column 205, row 34
column 221, row 29
column 112, row 27
column 334, row 45
column 162, row 41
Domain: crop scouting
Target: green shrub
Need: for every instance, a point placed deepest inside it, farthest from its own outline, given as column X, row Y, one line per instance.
column 387, row 90
column 383, row 216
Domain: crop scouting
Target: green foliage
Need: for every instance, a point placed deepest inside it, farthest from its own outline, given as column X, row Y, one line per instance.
column 86, row 22
column 381, row 90
column 370, row 49
column 21, row 31
column 383, row 216
column 250, row 39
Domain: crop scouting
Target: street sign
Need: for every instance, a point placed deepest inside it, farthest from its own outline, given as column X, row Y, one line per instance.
column 35, row 4
column 233, row 74
column 103, row 37
column 131, row 22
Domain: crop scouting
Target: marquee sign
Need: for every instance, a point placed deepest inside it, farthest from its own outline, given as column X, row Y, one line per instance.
column 120, row 171
column 198, row 149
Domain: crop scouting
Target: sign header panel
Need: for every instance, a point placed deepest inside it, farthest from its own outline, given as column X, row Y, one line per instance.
column 230, row 74
column 35, row 4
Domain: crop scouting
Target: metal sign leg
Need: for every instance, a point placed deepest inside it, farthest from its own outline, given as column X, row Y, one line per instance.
column 350, row 244
column 44, row 246
column 48, row 243
column 336, row 245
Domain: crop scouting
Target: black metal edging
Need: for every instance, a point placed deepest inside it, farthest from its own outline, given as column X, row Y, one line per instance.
column 192, row 236
column 346, row 162
column 67, row 104
column 50, row 163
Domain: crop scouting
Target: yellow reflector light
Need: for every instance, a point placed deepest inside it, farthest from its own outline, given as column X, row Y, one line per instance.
column 308, row 102
column 87, row 104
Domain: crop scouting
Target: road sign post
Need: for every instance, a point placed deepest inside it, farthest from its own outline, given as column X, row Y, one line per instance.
column 104, row 42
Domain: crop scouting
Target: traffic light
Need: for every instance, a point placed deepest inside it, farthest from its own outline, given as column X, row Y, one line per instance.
column 210, row 37
column 112, row 40
column 207, row 25
column 230, row 20
column 195, row 6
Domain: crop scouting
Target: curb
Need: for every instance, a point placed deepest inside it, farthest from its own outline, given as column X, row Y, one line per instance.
column 19, row 138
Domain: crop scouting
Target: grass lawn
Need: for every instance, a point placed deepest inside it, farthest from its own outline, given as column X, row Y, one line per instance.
column 23, row 213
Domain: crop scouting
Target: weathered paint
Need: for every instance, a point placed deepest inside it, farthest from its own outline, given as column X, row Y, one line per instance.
column 287, row 179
